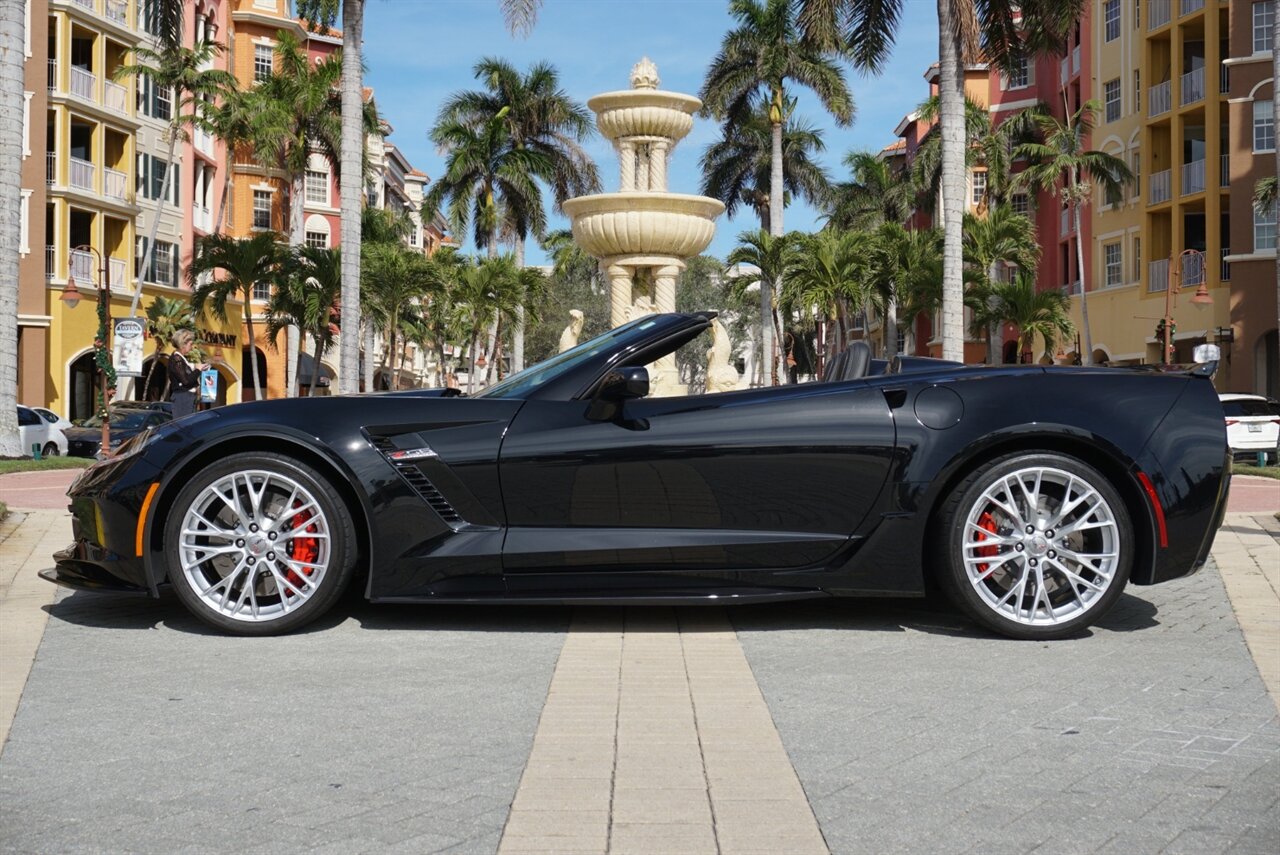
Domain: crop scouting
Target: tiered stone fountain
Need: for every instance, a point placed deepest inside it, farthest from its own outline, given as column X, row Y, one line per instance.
column 642, row 234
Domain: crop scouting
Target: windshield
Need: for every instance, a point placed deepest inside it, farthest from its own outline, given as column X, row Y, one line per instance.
column 522, row 383
column 122, row 419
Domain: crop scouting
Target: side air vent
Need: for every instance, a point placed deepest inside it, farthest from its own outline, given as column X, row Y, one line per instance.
column 415, row 478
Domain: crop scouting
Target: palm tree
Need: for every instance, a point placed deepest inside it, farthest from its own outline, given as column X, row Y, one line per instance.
column 231, row 120
column 1035, row 313
column 829, row 274
column 519, row 15
column 395, row 282
column 1064, row 165
column 771, row 256
column 186, row 72
column 737, row 169
column 538, row 116
column 306, row 296
column 759, row 57
column 244, row 263
column 909, row 265
column 165, row 316
column 876, row 193
column 13, row 127
column 483, row 294
column 991, row 243
column 1264, row 193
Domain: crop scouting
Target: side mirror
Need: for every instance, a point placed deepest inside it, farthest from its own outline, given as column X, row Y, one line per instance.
column 619, row 385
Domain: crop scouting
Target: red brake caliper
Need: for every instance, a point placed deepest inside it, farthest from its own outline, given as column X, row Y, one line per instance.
column 306, row 549
column 987, row 523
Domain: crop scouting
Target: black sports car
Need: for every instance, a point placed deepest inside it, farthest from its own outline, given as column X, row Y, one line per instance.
column 127, row 420
column 1031, row 494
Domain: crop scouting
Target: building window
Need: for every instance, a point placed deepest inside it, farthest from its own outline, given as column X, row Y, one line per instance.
column 164, row 263
column 1111, row 19
column 1264, row 229
column 1136, row 169
column 317, row 187
column 1112, row 265
column 1020, row 78
column 151, row 17
column 317, row 240
column 979, row 187
column 1137, row 88
column 1264, row 125
column 263, row 62
column 262, row 209
column 261, row 292
column 1020, row 203
column 154, row 101
column 1137, row 259
column 1264, row 20
column 151, row 173
column 1113, row 197
column 1111, row 90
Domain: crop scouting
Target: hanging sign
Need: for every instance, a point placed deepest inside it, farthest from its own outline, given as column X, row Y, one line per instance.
column 126, row 346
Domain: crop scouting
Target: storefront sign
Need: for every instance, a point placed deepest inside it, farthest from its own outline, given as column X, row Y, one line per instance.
column 126, row 349
column 217, row 339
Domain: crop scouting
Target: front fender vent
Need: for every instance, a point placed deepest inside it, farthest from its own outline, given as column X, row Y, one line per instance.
column 417, row 479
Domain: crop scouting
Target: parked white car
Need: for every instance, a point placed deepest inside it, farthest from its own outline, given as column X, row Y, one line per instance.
column 51, row 417
column 34, row 431
column 1253, row 424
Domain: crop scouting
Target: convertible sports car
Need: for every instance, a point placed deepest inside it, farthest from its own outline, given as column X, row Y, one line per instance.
column 1030, row 494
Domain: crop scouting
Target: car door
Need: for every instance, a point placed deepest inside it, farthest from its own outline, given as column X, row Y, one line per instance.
column 710, row 489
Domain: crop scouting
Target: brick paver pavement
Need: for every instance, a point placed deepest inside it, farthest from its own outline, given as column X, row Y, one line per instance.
column 41, row 490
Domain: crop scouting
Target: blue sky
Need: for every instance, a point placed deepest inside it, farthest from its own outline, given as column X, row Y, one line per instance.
column 419, row 51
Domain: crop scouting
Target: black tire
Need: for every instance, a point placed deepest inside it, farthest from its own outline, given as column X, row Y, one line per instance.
column 271, row 604
column 978, row 587
column 50, row 450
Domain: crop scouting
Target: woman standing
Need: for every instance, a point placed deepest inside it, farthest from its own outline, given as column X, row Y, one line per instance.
column 183, row 376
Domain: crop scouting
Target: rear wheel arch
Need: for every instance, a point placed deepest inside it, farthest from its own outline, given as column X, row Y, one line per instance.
column 1099, row 456
column 172, row 486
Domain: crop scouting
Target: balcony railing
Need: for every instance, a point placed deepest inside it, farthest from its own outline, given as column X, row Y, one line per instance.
column 1186, row 7
column 82, row 174
column 1226, row 265
column 1064, row 222
column 1193, row 177
column 1161, row 188
column 1158, row 13
column 50, row 261
column 53, row 75
column 1224, row 79
column 88, row 4
column 50, row 168
column 1192, row 86
column 1063, row 70
column 1224, row 170
column 115, row 184
column 1159, row 99
column 82, row 80
column 1192, row 269
column 1075, row 60
column 1158, row 275
column 116, row 269
column 118, row 11
column 1072, row 289
column 202, row 218
column 203, row 141
column 115, row 96
column 81, row 267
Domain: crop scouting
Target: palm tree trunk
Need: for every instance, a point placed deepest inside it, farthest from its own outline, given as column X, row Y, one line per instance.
column 471, row 373
column 155, row 360
column 315, row 367
column 292, row 333
column 392, row 362
column 155, row 223
column 951, row 119
column 1261, row 383
column 368, row 355
column 891, row 328
column 517, row 335
column 12, row 18
column 994, row 342
column 226, row 191
column 302, row 342
column 350, row 181
column 1086, row 358
column 497, row 349
column 767, row 289
column 253, row 344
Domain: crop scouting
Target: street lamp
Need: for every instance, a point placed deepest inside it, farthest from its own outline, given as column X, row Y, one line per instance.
column 1201, row 298
column 102, row 355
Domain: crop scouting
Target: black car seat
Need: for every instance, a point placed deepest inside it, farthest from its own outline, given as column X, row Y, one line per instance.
column 835, row 368
column 859, row 361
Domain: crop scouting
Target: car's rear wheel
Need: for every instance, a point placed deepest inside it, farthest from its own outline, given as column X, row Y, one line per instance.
column 257, row 544
column 1036, row 546
column 50, row 450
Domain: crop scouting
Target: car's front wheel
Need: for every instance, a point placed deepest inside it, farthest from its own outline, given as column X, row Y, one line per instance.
column 1036, row 546
column 257, row 544
column 50, row 450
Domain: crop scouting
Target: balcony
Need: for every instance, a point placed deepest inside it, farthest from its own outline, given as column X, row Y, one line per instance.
column 83, row 174
column 1224, row 170
column 116, row 269
column 1186, row 7
column 1226, row 265
column 1193, row 177
column 1158, row 13
column 88, row 4
column 1064, row 222
column 1192, row 270
column 1072, row 289
column 115, row 96
column 1064, row 70
column 81, row 267
column 203, row 141
column 1159, row 99
column 1075, row 60
column 53, row 75
column 115, row 184
column 50, row 261
column 1161, row 188
column 118, row 11
column 1224, row 79
column 202, row 218
column 82, row 81
column 1192, row 87
column 50, row 168
column 1158, row 276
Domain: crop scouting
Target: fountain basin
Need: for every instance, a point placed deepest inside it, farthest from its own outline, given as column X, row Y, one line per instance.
column 644, row 112
column 663, row 224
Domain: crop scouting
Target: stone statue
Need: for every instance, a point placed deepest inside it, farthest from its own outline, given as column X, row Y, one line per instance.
column 569, row 338
column 641, row 307
column 721, row 376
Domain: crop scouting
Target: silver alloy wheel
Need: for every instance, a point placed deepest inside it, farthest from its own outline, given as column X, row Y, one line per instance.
column 254, row 545
column 1041, row 546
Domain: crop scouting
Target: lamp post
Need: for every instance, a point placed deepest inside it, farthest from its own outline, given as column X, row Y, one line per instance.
column 102, row 354
column 1201, row 298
